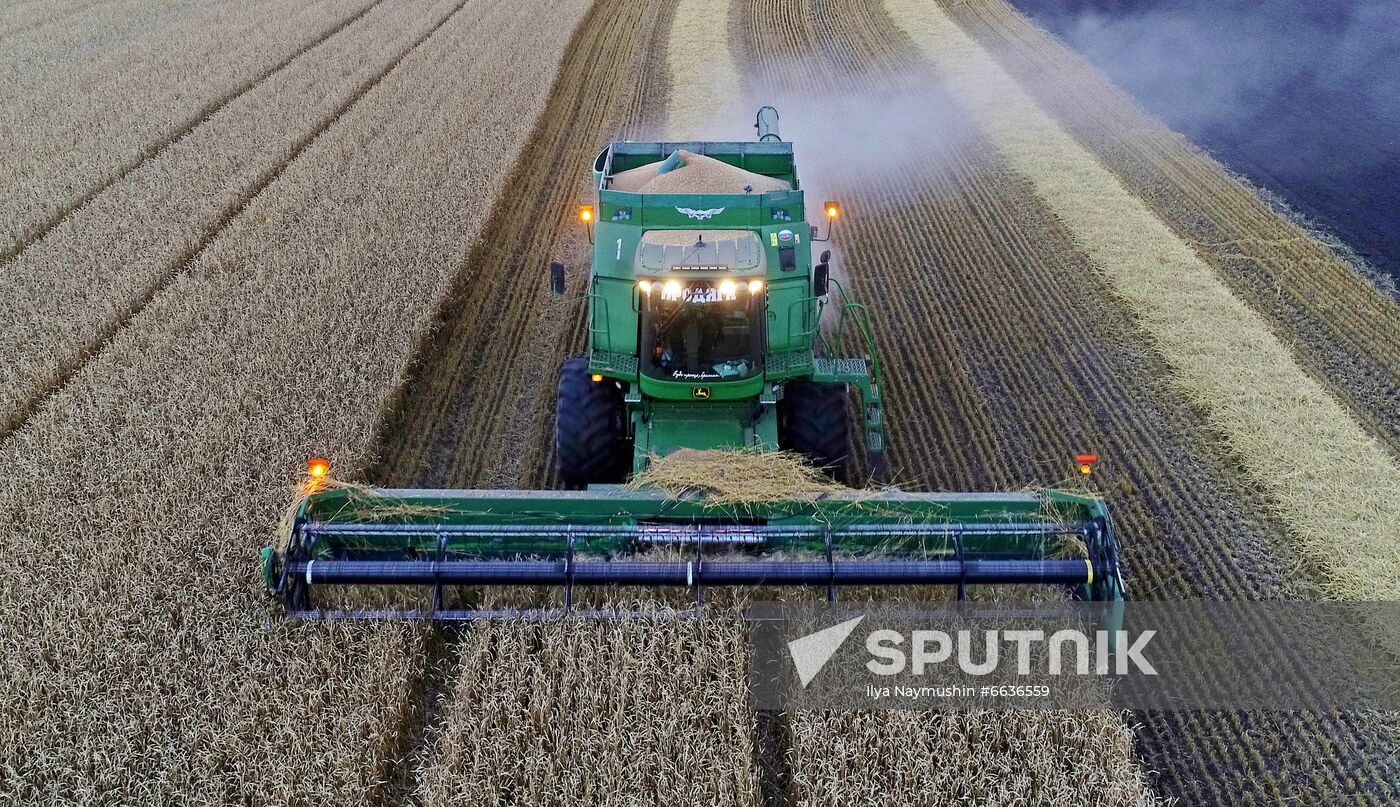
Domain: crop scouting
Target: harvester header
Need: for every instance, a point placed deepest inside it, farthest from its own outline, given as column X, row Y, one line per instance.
column 572, row 539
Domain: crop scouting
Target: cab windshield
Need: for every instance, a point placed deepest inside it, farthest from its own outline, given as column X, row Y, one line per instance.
column 701, row 330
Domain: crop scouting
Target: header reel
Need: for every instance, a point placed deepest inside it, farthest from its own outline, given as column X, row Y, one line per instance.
column 443, row 539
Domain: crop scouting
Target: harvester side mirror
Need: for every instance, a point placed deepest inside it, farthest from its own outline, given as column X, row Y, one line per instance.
column 821, row 276
column 556, row 278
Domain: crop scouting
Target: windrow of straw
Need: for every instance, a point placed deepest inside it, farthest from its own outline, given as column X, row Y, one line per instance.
column 93, row 96
column 65, row 293
column 1335, row 488
column 139, row 661
column 735, row 477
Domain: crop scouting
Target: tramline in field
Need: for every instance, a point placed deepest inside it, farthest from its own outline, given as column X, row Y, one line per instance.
column 706, row 331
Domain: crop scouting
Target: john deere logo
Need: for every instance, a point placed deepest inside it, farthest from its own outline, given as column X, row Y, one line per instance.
column 701, row 392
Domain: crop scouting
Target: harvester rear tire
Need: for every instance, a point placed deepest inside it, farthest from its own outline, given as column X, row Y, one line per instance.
column 813, row 421
column 590, row 432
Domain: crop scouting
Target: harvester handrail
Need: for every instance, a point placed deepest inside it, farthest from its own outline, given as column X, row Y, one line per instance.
column 860, row 315
column 805, row 330
column 593, row 313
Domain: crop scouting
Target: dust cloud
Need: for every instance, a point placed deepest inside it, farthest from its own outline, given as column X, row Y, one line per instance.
column 1201, row 64
column 867, row 129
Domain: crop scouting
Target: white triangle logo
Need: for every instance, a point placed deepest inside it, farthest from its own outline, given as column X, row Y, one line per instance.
column 811, row 652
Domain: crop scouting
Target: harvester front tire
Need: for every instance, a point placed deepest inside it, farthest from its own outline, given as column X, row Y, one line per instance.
column 590, row 432
column 813, row 421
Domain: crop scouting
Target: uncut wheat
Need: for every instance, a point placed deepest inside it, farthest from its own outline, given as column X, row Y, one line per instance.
column 633, row 711
column 72, row 124
column 139, row 660
column 66, row 293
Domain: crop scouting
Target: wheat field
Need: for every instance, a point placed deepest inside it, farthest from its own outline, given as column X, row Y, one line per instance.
column 73, row 289
column 83, row 112
column 238, row 233
column 140, row 664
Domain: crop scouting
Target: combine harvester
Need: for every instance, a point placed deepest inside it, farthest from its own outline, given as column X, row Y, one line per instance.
column 706, row 331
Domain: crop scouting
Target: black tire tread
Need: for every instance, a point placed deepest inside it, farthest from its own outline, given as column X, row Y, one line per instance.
column 590, row 432
column 813, row 421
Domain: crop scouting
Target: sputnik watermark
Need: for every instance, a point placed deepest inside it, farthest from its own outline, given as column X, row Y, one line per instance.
column 1275, row 655
column 918, row 693
column 810, row 653
column 975, row 653
column 930, row 649
column 967, row 664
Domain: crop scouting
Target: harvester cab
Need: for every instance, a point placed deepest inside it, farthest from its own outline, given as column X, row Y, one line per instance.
column 709, row 326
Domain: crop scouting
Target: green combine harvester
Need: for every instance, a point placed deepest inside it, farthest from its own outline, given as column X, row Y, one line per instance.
column 710, row 326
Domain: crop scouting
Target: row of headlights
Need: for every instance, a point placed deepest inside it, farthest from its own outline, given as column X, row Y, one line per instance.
column 672, row 288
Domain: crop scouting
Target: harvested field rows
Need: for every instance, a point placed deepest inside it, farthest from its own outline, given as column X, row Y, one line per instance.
column 1338, row 325
column 1253, row 758
column 1011, row 358
column 136, row 666
column 74, row 129
column 1221, row 353
column 1036, row 361
column 65, row 295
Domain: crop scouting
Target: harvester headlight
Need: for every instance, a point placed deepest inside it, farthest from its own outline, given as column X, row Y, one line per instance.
column 672, row 290
column 755, row 286
column 585, row 213
column 832, row 210
column 318, row 468
column 727, row 289
column 597, row 377
column 645, row 286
